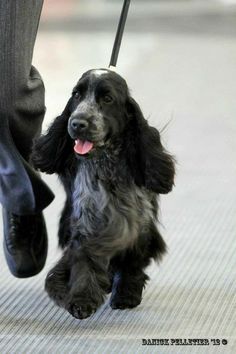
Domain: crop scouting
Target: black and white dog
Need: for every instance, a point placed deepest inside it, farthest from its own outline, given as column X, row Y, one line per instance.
column 112, row 165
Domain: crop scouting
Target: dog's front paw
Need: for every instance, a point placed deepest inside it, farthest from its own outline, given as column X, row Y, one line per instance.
column 127, row 291
column 81, row 311
column 124, row 301
column 82, row 305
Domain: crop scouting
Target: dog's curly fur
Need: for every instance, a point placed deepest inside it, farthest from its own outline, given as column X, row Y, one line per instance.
column 108, row 224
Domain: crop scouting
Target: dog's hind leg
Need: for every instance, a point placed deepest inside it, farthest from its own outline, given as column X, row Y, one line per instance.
column 129, row 278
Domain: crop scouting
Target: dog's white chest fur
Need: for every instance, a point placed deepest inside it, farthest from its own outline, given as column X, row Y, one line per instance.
column 120, row 214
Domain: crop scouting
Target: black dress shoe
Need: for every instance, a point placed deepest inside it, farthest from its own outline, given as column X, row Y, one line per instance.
column 25, row 243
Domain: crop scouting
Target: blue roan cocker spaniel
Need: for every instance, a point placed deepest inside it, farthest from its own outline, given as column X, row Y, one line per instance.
column 113, row 166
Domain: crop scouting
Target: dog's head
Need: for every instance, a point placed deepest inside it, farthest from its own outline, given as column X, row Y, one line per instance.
column 98, row 106
column 99, row 110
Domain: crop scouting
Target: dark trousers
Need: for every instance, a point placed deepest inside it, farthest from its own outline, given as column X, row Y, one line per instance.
column 22, row 108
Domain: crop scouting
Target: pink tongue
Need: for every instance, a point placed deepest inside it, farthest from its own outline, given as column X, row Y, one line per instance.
column 82, row 147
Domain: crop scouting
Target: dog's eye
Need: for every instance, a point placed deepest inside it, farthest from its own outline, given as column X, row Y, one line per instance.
column 107, row 99
column 76, row 94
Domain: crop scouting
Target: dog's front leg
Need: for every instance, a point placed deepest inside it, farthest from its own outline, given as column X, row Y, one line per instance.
column 57, row 281
column 88, row 280
column 88, row 283
column 79, row 281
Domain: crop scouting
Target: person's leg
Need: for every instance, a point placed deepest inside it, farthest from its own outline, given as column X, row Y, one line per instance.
column 21, row 108
column 22, row 193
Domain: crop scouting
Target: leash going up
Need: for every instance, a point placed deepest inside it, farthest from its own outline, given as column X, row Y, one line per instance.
column 119, row 35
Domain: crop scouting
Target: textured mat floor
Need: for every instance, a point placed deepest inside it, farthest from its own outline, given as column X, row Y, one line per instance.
column 192, row 80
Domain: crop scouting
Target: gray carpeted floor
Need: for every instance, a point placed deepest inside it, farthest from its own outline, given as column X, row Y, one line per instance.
column 189, row 80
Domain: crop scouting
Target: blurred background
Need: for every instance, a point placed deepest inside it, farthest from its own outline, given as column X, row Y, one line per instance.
column 179, row 60
column 181, row 44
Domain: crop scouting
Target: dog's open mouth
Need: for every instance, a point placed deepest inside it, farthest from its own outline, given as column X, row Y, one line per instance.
column 83, row 147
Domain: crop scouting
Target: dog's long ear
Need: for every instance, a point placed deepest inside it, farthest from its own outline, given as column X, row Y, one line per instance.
column 50, row 151
column 154, row 166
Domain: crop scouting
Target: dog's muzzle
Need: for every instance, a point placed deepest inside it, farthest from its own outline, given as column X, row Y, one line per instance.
column 78, row 126
column 78, row 129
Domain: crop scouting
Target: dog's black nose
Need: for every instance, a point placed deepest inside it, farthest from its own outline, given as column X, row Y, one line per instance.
column 78, row 125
